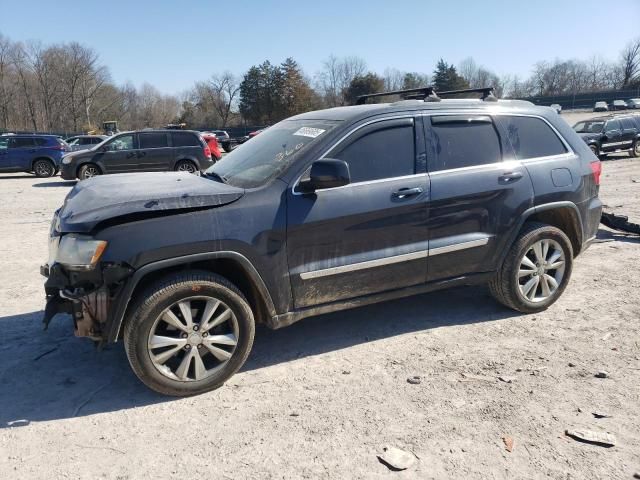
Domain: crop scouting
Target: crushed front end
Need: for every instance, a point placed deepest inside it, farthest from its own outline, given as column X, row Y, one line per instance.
column 79, row 284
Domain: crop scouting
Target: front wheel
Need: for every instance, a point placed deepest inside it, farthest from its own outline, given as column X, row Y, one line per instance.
column 189, row 333
column 595, row 150
column 186, row 166
column 635, row 149
column 88, row 170
column 44, row 168
column 536, row 269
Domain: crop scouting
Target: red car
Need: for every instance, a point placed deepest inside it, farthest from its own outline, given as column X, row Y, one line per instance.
column 212, row 142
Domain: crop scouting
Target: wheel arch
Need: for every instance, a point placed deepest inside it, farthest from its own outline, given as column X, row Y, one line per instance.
column 44, row 157
column 562, row 215
column 234, row 266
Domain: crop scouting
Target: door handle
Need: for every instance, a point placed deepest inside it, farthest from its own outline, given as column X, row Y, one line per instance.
column 509, row 177
column 141, row 154
column 407, row 192
column 131, row 154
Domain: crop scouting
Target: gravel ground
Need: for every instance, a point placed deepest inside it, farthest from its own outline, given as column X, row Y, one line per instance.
column 320, row 399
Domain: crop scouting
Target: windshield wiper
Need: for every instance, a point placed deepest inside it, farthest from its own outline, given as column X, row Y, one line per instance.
column 216, row 177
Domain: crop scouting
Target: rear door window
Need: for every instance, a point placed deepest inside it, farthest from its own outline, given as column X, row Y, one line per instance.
column 153, row 140
column 384, row 150
column 612, row 125
column 184, row 139
column 531, row 137
column 459, row 141
column 22, row 142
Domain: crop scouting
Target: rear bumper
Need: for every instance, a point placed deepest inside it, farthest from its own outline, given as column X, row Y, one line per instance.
column 591, row 211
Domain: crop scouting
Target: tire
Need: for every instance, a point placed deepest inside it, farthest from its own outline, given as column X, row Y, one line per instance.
column 89, row 170
column 635, row 149
column 510, row 288
column 43, row 168
column 186, row 166
column 595, row 150
column 146, row 320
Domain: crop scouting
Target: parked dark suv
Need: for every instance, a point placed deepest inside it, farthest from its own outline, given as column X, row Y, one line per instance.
column 324, row 211
column 143, row 151
column 38, row 154
column 611, row 134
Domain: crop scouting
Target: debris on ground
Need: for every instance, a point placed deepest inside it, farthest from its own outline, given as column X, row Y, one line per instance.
column 598, row 414
column 508, row 443
column 571, row 364
column 619, row 222
column 589, row 436
column 602, row 374
column 415, row 380
column 506, row 379
column 396, row 459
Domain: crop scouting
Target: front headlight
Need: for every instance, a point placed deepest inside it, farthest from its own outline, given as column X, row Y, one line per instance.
column 66, row 159
column 79, row 252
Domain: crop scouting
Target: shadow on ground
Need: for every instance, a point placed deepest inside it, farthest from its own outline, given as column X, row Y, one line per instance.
column 60, row 183
column 12, row 177
column 52, row 375
column 604, row 236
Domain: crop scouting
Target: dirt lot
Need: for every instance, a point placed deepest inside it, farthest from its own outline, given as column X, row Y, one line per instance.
column 321, row 398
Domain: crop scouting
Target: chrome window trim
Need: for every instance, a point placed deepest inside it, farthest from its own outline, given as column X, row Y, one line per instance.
column 521, row 162
column 405, row 257
column 341, row 139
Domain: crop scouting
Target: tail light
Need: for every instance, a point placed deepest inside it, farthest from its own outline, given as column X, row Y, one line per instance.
column 596, row 169
column 59, row 147
column 207, row 150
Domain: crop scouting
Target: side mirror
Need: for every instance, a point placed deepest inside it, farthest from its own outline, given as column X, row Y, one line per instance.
column 326, row 173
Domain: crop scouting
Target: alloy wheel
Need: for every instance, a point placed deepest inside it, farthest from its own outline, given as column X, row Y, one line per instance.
column 193, row 338
column 91, row 172
column 186, row 167
column 43, row 169
column 541, row 270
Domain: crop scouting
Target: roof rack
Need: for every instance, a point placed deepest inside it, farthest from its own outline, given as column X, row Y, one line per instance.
column 428, row 94
column 487, row 93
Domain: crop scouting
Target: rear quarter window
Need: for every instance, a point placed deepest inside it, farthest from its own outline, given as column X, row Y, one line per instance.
column 531, row 137
column 185, row 139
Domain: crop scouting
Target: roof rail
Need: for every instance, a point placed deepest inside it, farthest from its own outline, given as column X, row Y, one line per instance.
column 428, row 94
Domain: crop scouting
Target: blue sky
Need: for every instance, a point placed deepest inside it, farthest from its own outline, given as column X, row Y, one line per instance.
column 171, row 44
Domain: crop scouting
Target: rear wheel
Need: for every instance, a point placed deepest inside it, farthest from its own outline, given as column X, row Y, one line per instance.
column 43, row 168
column 187, row 334
column 89, row 170
column 536, row 269
column 595, row 150
column 186, row 166
column 635, row 149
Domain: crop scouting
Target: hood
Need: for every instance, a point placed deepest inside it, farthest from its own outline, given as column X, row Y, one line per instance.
column 589, row 136
column 108, row 197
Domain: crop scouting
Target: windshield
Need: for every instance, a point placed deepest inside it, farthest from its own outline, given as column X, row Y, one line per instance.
column 267, row 155
column 588, row 127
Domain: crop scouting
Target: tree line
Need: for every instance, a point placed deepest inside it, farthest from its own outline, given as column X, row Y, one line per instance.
column 65, row 88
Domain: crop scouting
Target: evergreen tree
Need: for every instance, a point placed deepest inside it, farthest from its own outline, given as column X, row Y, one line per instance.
column 362, row 85
column 445, row 77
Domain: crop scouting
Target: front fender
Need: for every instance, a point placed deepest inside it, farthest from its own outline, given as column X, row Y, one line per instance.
column 117, row 313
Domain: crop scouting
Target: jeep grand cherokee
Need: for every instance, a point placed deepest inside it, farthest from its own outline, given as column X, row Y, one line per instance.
column 323, row 211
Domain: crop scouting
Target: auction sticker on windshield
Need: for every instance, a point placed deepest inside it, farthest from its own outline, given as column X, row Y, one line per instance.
column 309, row 132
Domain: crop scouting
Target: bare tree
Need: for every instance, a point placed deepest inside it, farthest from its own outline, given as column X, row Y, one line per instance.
column 225, row 91
column 336, row 76
column 630, row 60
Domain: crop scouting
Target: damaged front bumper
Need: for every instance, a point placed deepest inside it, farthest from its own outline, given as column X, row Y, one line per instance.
column 86, row 295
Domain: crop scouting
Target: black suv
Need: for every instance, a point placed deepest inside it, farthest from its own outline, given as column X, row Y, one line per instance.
column 324, row 211
column 143, row 151
column 611, row 133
